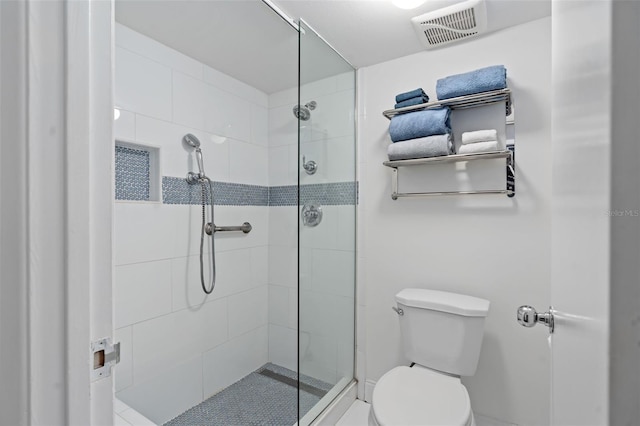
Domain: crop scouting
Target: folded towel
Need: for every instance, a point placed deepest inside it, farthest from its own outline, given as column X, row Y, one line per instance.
column 419, row 124
column 482, row 80
column 413, row 101
column 431, row 146
column 480, row 136
column 411, row 94
column 474, row 148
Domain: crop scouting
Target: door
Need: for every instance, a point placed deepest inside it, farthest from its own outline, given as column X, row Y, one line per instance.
column 56, row 210
column 581, row 69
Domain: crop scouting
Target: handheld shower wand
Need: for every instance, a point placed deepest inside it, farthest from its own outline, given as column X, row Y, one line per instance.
column 201, row 178
column 207, row 227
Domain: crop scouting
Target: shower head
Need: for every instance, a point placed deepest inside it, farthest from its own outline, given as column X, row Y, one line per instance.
column 303, row 112
column 191, row 140
column 194, row 142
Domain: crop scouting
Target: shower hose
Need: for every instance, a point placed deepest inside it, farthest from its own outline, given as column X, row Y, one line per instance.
column 205, row 183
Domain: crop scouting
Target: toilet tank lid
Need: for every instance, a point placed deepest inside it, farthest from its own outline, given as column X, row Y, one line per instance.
column 443, row 301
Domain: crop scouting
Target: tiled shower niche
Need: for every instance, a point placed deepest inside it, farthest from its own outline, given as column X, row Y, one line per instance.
column 137, row 172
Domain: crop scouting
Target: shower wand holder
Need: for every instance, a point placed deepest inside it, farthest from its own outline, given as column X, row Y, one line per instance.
column 193, row 178
column 210, row 228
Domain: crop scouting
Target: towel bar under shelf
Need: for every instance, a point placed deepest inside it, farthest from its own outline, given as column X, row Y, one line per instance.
column 508, row 154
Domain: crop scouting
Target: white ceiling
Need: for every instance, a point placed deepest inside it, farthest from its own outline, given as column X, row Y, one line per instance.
column 247, row 40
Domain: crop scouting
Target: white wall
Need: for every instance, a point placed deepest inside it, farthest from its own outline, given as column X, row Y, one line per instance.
column 178, row 346
column 491, row 247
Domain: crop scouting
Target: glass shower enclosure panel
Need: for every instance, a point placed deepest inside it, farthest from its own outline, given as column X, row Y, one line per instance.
column 327, row 199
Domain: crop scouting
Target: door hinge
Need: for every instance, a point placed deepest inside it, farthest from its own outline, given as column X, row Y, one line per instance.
column 105, row 355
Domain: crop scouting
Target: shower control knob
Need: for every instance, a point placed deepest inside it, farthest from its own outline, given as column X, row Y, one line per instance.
column 311, row 215
column 528, row 317
column 311, row 167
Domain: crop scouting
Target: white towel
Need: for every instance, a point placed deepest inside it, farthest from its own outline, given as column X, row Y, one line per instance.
column 479, row 136
column 431, row 146
column 474, row 148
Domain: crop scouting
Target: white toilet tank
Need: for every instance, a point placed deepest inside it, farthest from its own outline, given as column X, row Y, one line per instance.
column 441, row 330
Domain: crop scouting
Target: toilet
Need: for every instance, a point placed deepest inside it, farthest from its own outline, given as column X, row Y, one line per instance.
column 442, row 336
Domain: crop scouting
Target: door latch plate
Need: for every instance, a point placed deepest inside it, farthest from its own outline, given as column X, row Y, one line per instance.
column 105, row 355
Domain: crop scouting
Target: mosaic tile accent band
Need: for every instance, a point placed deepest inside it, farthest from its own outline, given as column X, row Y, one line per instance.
column 328, row 194
column 133, row 179
column 132, row 174
column 177, row 191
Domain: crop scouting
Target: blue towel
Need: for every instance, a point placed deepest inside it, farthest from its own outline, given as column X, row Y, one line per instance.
column 413, row 101
column 481, row 80
column 419, row 124
column 431, row 146
column 412, row 94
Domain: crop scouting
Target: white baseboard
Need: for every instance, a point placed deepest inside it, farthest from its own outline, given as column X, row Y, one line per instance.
column 368, row 390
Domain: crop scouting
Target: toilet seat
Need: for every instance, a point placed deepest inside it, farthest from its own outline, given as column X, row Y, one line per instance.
column 419, row 396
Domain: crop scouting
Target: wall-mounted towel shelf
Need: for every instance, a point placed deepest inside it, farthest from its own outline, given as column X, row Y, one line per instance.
column 508, row 154
column 463, row 102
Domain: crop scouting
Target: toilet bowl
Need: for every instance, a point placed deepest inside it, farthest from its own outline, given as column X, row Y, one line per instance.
column 419, row 396
column 442, row 335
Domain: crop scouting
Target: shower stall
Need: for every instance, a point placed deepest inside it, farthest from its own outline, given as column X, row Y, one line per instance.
column 235, row 206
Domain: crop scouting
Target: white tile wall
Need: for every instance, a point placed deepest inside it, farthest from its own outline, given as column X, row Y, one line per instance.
column 282, row 346
column 142, row 85
column 175, row 389
column 227, row 115
column 171, row 333
column 248, row 311
column 260, row 265
column 145, row 46
column 137, row 236
column 279, row 170
column 172, row 339
column 333, row 272
column 279, row 305
column 142, row 291
column 125, row 126
column 283, row 269
column 248, row 163
column 189, row 100
column 238, row 88
column 234, row 359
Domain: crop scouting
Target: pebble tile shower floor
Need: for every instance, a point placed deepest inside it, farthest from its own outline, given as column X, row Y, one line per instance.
column 258, row 399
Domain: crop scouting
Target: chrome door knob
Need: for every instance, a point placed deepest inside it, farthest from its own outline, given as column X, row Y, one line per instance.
column 528, row 317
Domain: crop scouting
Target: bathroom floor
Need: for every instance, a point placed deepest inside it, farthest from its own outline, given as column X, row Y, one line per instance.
column 268, row 396
column 358, row 415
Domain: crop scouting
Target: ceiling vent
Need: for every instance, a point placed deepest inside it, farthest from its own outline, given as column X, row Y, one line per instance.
column 450, row 24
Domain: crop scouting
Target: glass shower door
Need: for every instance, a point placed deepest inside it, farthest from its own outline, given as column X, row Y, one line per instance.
column 327, row 200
